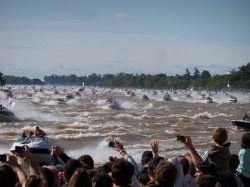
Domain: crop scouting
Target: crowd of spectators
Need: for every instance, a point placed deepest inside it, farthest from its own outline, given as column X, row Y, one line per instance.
column 217, row 167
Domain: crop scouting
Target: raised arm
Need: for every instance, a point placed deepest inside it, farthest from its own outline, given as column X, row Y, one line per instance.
column 194, row 154
column 155, row 147
column 12, row 160
column 34, row 167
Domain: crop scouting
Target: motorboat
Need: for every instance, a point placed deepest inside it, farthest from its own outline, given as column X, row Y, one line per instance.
column 232, row 99
column 39, row 147
column 69, row 96
column 209, row 100
column 145, row 97
column 112, row 103
column 132, row 94
column 167, row 97
column 241, row 124
column 7, row 115
column 61, row 100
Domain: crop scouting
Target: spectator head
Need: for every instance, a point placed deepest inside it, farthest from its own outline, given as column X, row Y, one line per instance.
column 122, row 172
column 106, row 168
column 166, row 173
column 207, row 181
column 234, row 162
column 34, row 181
column 70, row 168
column 146, row 157
column 245, row 141
column 205, row 169
column 220, row 136
column 7, row 176
column 80, row 178
column 86, row 161
column 152, row 165
column 102, row 180
column 49, row 176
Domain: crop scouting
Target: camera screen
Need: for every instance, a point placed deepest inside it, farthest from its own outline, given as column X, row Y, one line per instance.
column 19, row 149
column 111, row 144
column 180, row 138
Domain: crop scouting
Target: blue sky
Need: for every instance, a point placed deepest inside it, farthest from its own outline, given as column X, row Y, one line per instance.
column 44, row 37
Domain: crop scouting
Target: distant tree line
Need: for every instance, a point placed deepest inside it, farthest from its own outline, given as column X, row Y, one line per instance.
column 200, row 80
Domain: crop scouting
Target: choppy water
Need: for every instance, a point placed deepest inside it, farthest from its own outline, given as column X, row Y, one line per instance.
column 84, row 124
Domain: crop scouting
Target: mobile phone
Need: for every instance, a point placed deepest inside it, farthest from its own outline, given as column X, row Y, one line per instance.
column 181, row 138
column 2, row 157
column 111, row 144
column 19, row 149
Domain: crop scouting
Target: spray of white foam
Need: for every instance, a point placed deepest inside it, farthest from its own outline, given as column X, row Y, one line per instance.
column 27, row 112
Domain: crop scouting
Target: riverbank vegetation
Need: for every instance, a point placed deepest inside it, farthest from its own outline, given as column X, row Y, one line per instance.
column 237, row 79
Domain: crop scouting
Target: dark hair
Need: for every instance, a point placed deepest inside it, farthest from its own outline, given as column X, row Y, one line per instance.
column 86, row 161
column 207, row 181
column 70, row 167
column 80, row 178
column 122, row 172
column 106, row 167
column 49, row 176
column 245, row 141
column 34, row 181
column 166, row 173
column 147, row 156
column 7, row 176
column 102, row 180
column 207, row 169
column 154, row 162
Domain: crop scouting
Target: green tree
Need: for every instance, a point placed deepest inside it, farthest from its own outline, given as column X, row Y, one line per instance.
column 2, row 81
column 196, row 73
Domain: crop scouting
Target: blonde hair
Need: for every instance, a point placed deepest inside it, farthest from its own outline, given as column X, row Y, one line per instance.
column 220, row 136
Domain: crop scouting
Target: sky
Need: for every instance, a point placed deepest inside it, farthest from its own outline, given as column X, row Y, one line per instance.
column 81, row 37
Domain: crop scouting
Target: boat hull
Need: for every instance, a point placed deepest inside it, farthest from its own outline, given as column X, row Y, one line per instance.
column 242, row 124
column 7, row 116
column 39, row 147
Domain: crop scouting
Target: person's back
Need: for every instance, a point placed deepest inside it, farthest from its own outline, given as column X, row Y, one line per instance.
column 244, row 157
column 219, row 155
column 219, row 152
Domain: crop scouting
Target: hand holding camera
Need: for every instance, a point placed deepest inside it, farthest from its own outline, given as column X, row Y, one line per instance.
column 181, row 138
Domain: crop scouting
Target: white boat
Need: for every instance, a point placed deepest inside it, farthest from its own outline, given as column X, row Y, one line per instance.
column 39, row 147
column 232, row 99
